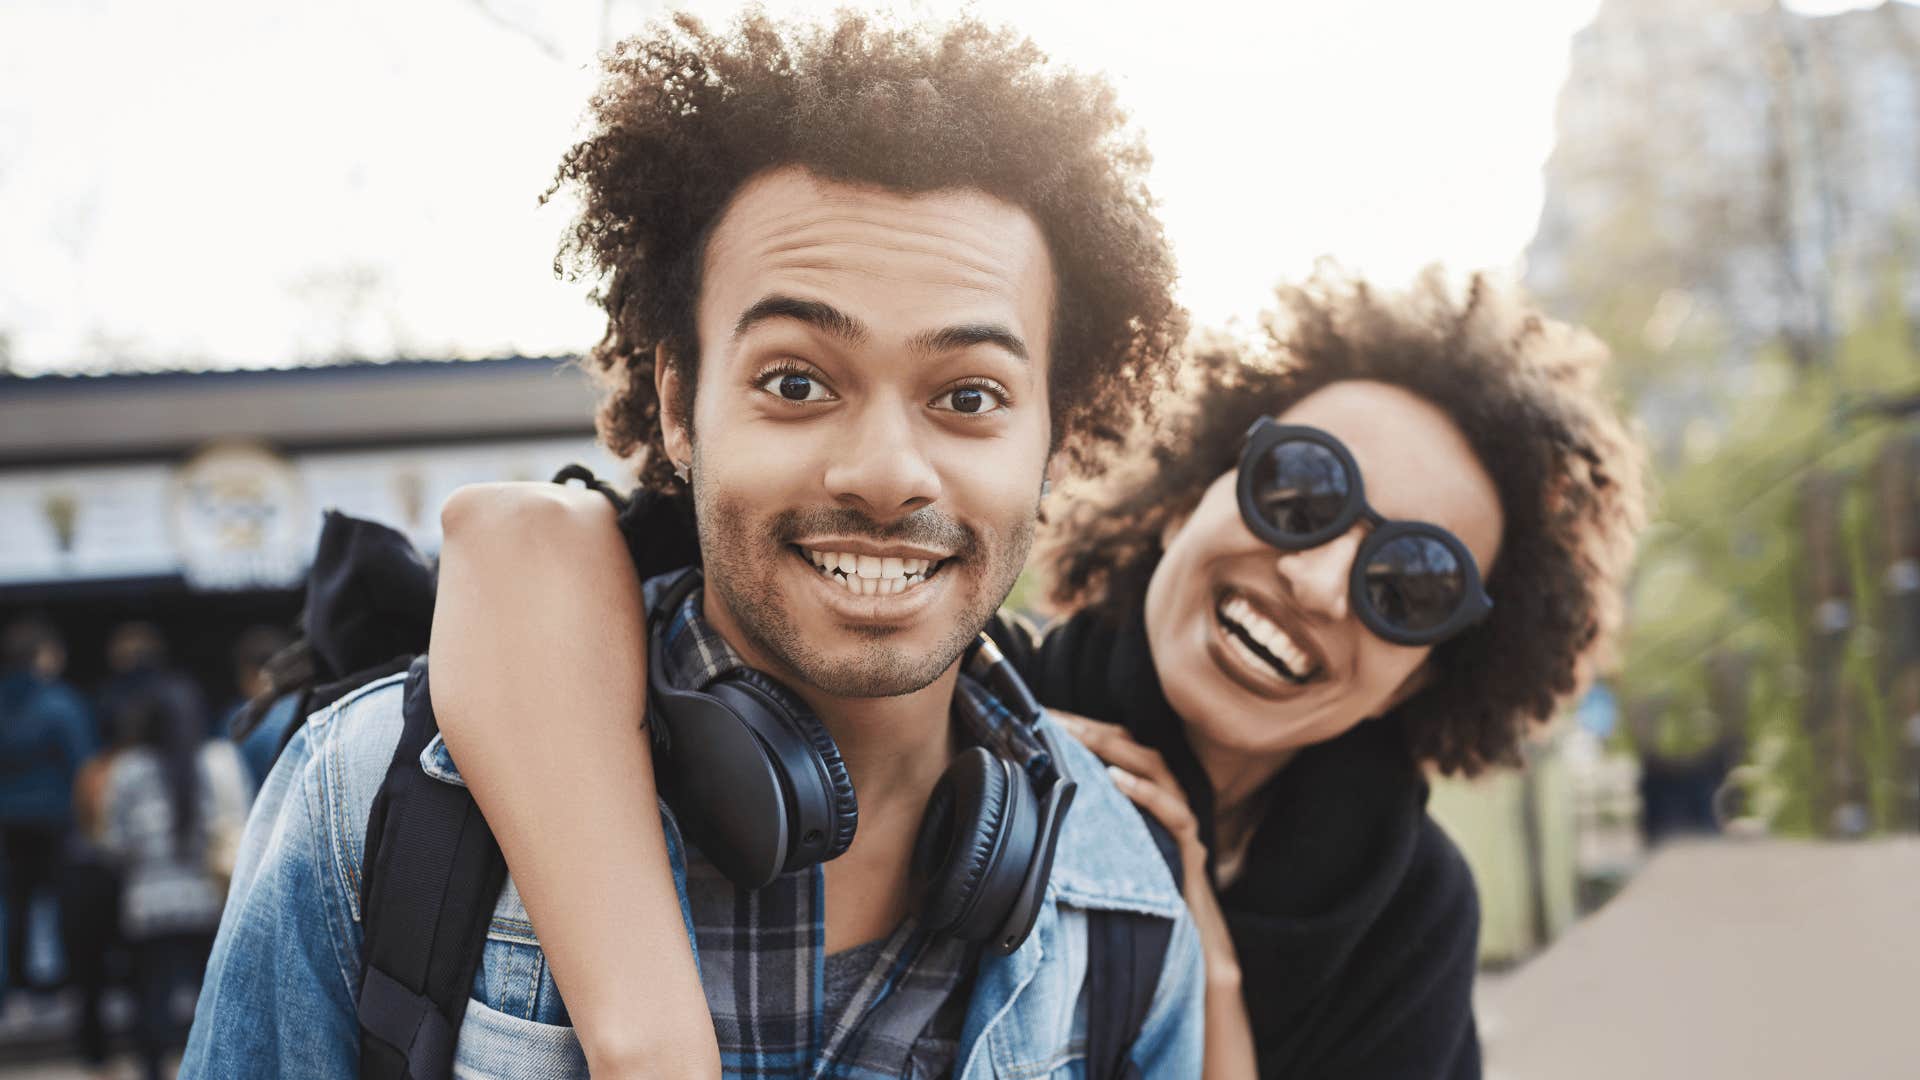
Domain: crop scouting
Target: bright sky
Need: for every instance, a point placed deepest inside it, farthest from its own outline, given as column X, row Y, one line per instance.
column 255, row 183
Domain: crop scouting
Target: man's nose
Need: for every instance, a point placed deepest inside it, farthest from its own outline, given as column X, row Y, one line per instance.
column 880, row 465
column 1318, row 577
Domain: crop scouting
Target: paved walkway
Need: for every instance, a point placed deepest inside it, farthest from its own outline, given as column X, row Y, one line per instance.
column 1727, row 959
column 125, row 1067
column 54, row 1071
column 36, row 1036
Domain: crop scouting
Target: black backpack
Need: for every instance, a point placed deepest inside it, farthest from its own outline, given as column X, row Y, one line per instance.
column 432, row 871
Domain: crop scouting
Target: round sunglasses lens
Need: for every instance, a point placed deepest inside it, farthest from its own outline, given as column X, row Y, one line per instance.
column 1299, row 487
column 1415, row 583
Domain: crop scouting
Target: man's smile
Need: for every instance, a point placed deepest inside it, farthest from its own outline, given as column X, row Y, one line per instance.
column 868, row 592
column 872, row 575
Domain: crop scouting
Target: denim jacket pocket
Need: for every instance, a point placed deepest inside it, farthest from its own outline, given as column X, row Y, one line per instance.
column 513, row 977
column 516, row 1026
column 496, row 1046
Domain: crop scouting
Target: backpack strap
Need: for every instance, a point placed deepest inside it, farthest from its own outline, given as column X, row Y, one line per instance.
column 1125, row 952
column 432, row 872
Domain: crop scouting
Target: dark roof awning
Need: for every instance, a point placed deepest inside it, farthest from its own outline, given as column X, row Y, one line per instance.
column 73, row 418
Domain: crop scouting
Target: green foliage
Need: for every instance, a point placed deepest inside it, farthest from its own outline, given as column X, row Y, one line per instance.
column 1726, row 568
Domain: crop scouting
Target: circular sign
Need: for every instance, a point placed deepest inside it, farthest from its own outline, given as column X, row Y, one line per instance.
column 236, row 512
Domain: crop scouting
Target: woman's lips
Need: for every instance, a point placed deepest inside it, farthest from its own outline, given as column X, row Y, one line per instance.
column 1242, row 666
column 1263, row 639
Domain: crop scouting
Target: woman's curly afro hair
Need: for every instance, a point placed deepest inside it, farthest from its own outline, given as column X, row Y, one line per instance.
column 1526, row 393
column 686, row 116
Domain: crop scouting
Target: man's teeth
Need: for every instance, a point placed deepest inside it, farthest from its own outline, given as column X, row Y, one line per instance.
column 871, row 575
column 1271, row 637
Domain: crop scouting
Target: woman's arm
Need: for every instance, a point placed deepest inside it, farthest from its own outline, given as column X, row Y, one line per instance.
column 90, row 794
column 1143, row 776
column 539, row 685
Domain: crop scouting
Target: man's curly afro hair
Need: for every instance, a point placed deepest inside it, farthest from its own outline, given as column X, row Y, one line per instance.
column 1526, row 393
column 686, row 116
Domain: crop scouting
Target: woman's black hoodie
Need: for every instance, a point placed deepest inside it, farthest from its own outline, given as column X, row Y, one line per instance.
column 1354, row 918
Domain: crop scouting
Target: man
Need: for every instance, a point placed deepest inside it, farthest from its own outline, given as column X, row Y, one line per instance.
column 862, row 286
column 45, row 733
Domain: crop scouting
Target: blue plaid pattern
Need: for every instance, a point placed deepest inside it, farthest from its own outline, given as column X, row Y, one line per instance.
column 762, row 954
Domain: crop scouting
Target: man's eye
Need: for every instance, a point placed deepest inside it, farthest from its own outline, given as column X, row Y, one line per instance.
column 793, row 386
column 970, row 400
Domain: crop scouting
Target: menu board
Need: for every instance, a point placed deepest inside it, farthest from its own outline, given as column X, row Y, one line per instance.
column 78, row 524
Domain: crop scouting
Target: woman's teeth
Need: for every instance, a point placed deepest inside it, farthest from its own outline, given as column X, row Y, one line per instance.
column 1294, row 662
column 871, row 575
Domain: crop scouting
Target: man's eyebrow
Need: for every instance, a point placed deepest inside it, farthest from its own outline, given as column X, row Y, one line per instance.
column 821, row 316
column 963, row 337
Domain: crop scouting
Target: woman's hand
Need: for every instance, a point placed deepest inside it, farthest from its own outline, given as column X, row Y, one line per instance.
column 1142, row 775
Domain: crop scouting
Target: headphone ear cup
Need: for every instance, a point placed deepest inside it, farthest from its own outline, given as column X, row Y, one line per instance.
column 961, row 833
column 800, row 720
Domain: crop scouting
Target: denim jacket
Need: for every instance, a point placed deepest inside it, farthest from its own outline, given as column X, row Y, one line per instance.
column 280, row 990
column 45, row 733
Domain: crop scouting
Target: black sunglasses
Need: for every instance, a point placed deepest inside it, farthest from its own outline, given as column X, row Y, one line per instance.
column 1412, row 583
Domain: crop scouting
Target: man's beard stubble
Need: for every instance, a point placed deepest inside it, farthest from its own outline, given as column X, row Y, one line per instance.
column 742, row 575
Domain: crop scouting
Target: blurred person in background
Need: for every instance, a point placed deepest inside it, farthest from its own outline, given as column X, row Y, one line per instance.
column 253, row 654
column 90, row 903
column 45, row 733
column 136, row 651
column 172, row 809
column 1277, row 633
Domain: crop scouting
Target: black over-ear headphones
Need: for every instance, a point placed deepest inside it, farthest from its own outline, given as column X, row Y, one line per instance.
column 758, row 785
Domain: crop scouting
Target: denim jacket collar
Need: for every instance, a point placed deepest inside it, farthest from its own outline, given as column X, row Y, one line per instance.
column 1107, row 859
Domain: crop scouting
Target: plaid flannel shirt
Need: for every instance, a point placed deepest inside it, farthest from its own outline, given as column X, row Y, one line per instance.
column 762, row 953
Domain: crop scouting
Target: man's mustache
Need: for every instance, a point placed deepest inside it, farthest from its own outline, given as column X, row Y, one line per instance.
column 926, row 527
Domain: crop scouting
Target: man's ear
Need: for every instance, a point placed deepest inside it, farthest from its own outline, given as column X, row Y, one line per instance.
column 667, row 388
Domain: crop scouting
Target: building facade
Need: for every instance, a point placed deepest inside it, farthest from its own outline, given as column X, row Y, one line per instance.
column 193, row 500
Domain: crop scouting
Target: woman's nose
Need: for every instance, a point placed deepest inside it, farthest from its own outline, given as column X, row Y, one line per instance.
column 1317, row 577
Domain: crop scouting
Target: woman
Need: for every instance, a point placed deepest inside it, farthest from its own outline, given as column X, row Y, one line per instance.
column 90, row 904
column 171, row 800
column 1390, row 543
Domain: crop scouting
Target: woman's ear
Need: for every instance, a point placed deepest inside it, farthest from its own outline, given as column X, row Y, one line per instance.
column 667, row 388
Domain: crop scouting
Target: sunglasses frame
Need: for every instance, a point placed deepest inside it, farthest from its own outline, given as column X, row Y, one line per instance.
column 1267, row 433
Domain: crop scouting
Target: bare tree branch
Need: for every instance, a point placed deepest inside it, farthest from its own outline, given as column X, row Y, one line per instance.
column 536, row 39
